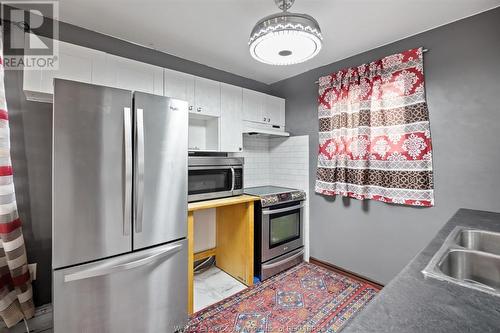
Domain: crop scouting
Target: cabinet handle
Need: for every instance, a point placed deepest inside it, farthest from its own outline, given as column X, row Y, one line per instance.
column 198, row 109
column 240, row 149
column 265, row 119
column 268, row 120
column 190, row 108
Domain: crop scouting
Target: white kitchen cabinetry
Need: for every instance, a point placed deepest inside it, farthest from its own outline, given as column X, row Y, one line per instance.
column 231, row 118
column 206, row 97
column 253, row 105
column 75, row 63
column 263, row 109
column 180, row 86
column 274, row 111
column 202, row 95
column 133, row 75
column 86, row 65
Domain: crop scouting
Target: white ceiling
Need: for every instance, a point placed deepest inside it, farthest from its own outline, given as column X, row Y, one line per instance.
column 215, row 33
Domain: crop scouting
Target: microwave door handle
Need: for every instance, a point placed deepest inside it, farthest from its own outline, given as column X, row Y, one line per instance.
column 208, row 167
column 281, row 210
column 232, row 179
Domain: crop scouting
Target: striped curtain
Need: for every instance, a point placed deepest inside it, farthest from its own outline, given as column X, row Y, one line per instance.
column 16, row 294
column 374, row 135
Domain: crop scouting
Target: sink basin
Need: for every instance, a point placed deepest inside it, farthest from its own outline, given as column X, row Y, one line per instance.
column 479, row 240
column 470, row 258
column 474, row 267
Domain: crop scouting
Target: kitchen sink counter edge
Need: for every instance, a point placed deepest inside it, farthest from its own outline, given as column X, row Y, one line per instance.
column 414, row 303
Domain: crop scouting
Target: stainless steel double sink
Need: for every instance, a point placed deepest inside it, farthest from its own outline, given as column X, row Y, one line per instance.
column 470, row 258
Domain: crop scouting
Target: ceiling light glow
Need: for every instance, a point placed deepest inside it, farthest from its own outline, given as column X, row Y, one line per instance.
column 285, row 38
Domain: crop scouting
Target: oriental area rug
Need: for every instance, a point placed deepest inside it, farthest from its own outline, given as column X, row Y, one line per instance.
column 305, row 298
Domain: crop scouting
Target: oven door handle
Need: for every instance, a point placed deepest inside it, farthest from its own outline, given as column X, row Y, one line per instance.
column 281, row 210
column 281, row 262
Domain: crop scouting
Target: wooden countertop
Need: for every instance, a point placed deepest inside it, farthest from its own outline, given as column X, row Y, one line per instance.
column 193, row 206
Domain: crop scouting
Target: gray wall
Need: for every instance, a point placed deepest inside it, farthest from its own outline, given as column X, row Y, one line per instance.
column 31, row 133
column 31, row 139
column 462, row 72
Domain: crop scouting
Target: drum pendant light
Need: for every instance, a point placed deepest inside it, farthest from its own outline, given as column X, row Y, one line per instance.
column 285, row 38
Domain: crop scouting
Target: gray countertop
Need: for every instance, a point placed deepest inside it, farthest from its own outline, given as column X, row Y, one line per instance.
column 412, row 303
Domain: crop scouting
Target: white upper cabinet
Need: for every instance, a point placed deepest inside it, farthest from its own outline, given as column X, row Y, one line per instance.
column 231, row 119
column 82, row 64
column 206, row 97
column 274, row 111
column 180, row 86
column 75, row 63
column 133, row 75
column 253, row 105
column 202, row 95
column 263, row 109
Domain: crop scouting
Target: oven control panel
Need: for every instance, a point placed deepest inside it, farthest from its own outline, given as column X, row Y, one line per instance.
column 284, row 197
column 275, row 199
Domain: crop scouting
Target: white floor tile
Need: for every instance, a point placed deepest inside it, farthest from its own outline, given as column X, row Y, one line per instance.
column 212, row 286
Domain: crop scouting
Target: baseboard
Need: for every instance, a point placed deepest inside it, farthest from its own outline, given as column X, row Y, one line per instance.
column 341, row 270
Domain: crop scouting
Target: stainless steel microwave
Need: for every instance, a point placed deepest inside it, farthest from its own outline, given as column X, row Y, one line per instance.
column 211, row 177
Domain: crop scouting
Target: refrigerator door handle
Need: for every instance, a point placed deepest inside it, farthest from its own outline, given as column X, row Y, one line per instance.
column 139, row 200
column 113, row 268
column 127, row 208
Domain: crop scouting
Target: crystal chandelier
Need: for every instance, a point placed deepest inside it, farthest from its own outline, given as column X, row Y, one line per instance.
column 285, row 38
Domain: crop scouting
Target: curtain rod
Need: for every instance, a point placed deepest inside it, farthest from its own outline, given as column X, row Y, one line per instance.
column 423, row 51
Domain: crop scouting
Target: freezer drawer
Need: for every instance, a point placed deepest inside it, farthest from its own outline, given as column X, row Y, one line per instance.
column 145, row 291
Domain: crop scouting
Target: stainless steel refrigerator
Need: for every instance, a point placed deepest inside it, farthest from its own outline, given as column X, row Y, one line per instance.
column 119, row 249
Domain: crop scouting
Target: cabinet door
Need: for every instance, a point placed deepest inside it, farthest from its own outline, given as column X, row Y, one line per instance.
column 253, row 105
column 134, row 75
column 180, row 86
column 231, row 119
column 274, row 111
column 75, row 63
column 207, row 97
column 282, row 113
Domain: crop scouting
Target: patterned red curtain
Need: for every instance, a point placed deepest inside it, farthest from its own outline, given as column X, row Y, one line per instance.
column 374, row 135
column 16, row 295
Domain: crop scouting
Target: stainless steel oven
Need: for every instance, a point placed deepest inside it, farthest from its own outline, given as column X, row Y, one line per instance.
column 281, row 229
column 211, row 177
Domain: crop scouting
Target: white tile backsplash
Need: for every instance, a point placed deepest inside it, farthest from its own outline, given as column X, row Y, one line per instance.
column 276, row 161
column 289, row 162
column 257, row 159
